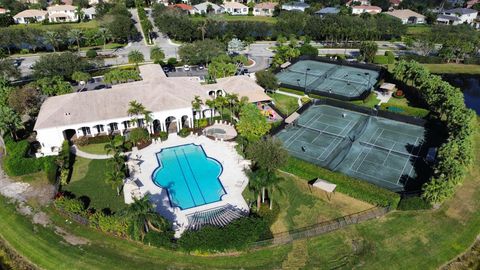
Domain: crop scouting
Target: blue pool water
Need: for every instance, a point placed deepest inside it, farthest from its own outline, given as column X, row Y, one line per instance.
column 189, row 176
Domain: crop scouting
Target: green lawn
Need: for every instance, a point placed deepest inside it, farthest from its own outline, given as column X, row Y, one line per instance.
column 405, row 106
column 370, row 101
column 453, row 68
column 94, row 148
column 227, row 17
column 88, row 180
column 83, row 25
column 400, row 240
column 286, row 104
column 417, row 30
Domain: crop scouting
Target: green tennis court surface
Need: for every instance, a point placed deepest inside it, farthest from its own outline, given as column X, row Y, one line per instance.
column 375, row 149
column 320, row 77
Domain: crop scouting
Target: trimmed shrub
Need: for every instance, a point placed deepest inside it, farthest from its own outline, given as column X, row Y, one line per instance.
column 74, row 206
column 202, row 123
column 51, row 169
column 85, row 140
column 390, row 57
column 413, row 203
column 380, row 60
column 91, row 54
column 423, row 59
column 159, row 239
column 234, row 236
column 109, row 223
column 138, row 135
column 353, row 187
column 17, row 163
column 184, row 132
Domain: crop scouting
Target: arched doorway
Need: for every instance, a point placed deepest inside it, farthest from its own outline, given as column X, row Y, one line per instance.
column 171, row 124
column 69, row 134
column 157, row 126
column 185, row 121
column 85, row 131
column 211, row 93
column 219, row 93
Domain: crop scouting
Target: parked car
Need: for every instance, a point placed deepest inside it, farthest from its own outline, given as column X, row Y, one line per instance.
column 201, row 67
column 186, row 68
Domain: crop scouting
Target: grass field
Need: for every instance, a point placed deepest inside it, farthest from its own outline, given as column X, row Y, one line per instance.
column 88, row 180
column 400, row 240
column 453, row 68
column 227, row 17
column 286, row 104
column 82, row 25
column 370, row 101
column 94, row 148
column 417, row 30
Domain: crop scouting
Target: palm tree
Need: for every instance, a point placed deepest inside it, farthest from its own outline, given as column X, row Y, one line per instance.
column 136, row 57
column 256, row 183
column 273, row 184
column 79, row 13
column 77, row 35
column 114, row 178
column 220, row 102
column 148, row 116
column 115, row 145
column 143, row 218
column 211, row 104
column 203, row 28
column 197, row 105
column 10, row 121
column 232, row 100
column 104, row 34
column 52, row 38
column 135, row 109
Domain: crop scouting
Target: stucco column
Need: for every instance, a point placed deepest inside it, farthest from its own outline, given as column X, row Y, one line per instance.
column 179, row 125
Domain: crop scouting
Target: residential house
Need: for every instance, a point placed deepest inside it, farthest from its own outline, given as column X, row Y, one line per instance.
column 327, row 11
column 361, row 2
column 89, row 13
column 169, row 99
column 295, row 6
column 407, row 16
column 3, row 10
column 207, row 8
column 235, row 8
column 395, row 3
column 183, row 7
column 457, row 16
column 62, row 13
column 30, row 16
column 471, row 3
column 366, row 9
column 456, row 3
column 264, row 9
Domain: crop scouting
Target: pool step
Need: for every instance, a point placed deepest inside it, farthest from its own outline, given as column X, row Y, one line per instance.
column 219, row 217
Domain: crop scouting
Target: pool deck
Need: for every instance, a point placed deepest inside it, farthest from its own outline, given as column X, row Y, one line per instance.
column 233, row 177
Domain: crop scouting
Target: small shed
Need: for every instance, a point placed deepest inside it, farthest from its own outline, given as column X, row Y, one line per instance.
column 387, row 87
column 292, row 118
column 326, row 186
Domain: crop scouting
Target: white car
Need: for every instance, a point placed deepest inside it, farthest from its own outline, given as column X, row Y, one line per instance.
column 186, row 68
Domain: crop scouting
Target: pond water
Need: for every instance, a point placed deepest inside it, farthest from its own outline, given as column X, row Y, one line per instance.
column 470, row 86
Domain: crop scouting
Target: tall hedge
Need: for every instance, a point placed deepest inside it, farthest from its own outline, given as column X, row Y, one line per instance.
column 353, row 187
column 17, row 162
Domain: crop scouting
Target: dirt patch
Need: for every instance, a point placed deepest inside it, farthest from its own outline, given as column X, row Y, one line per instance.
column 41, row 218
column 70, row 238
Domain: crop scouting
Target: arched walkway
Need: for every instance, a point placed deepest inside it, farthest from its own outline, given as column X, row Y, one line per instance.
column 171, row 124
column 69, row 134
column 157, row 126
column 185, row 122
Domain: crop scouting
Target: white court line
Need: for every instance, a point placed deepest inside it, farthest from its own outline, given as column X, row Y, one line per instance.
column 337, row 143
column 389, row 151
column 302, row 130
column 370, row 150
column 358, row 156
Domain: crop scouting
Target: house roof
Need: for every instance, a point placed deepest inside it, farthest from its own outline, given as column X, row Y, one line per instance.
column 30, row 13
column 58, row 15
column 328, row 10
column 266, row 5
column 395, row 2
column 447, row 17
column 156, row 92
column 61, row 8
column 2, row 10
column 371, row 8
column 183, row 6
column 89, row 11
column 404, row 14
column 461, row 11
column 234, row 5
column 241, row 85
column 204, row 5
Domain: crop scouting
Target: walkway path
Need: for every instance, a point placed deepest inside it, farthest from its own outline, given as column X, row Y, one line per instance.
column 74, row 149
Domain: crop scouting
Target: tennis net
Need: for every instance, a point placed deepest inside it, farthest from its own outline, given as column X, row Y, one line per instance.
column 387, row 149
column 320, row 131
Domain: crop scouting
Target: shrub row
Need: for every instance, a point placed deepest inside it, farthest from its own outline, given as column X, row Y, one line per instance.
column 234, row 236
column 353, row 187
column 406, row 110
column 17, row 162
column 413, row 203
column 144, row 21
column 85, row 140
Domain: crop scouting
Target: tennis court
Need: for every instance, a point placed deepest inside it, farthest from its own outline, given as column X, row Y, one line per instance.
column 375, row 149
column 328, row 78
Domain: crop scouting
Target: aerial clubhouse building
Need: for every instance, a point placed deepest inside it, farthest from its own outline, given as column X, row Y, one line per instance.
column 101, row 112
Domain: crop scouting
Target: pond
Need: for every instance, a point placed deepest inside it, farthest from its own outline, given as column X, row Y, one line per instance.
column 470, row 86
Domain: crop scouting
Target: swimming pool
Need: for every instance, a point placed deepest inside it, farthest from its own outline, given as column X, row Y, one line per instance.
column 190, row 177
